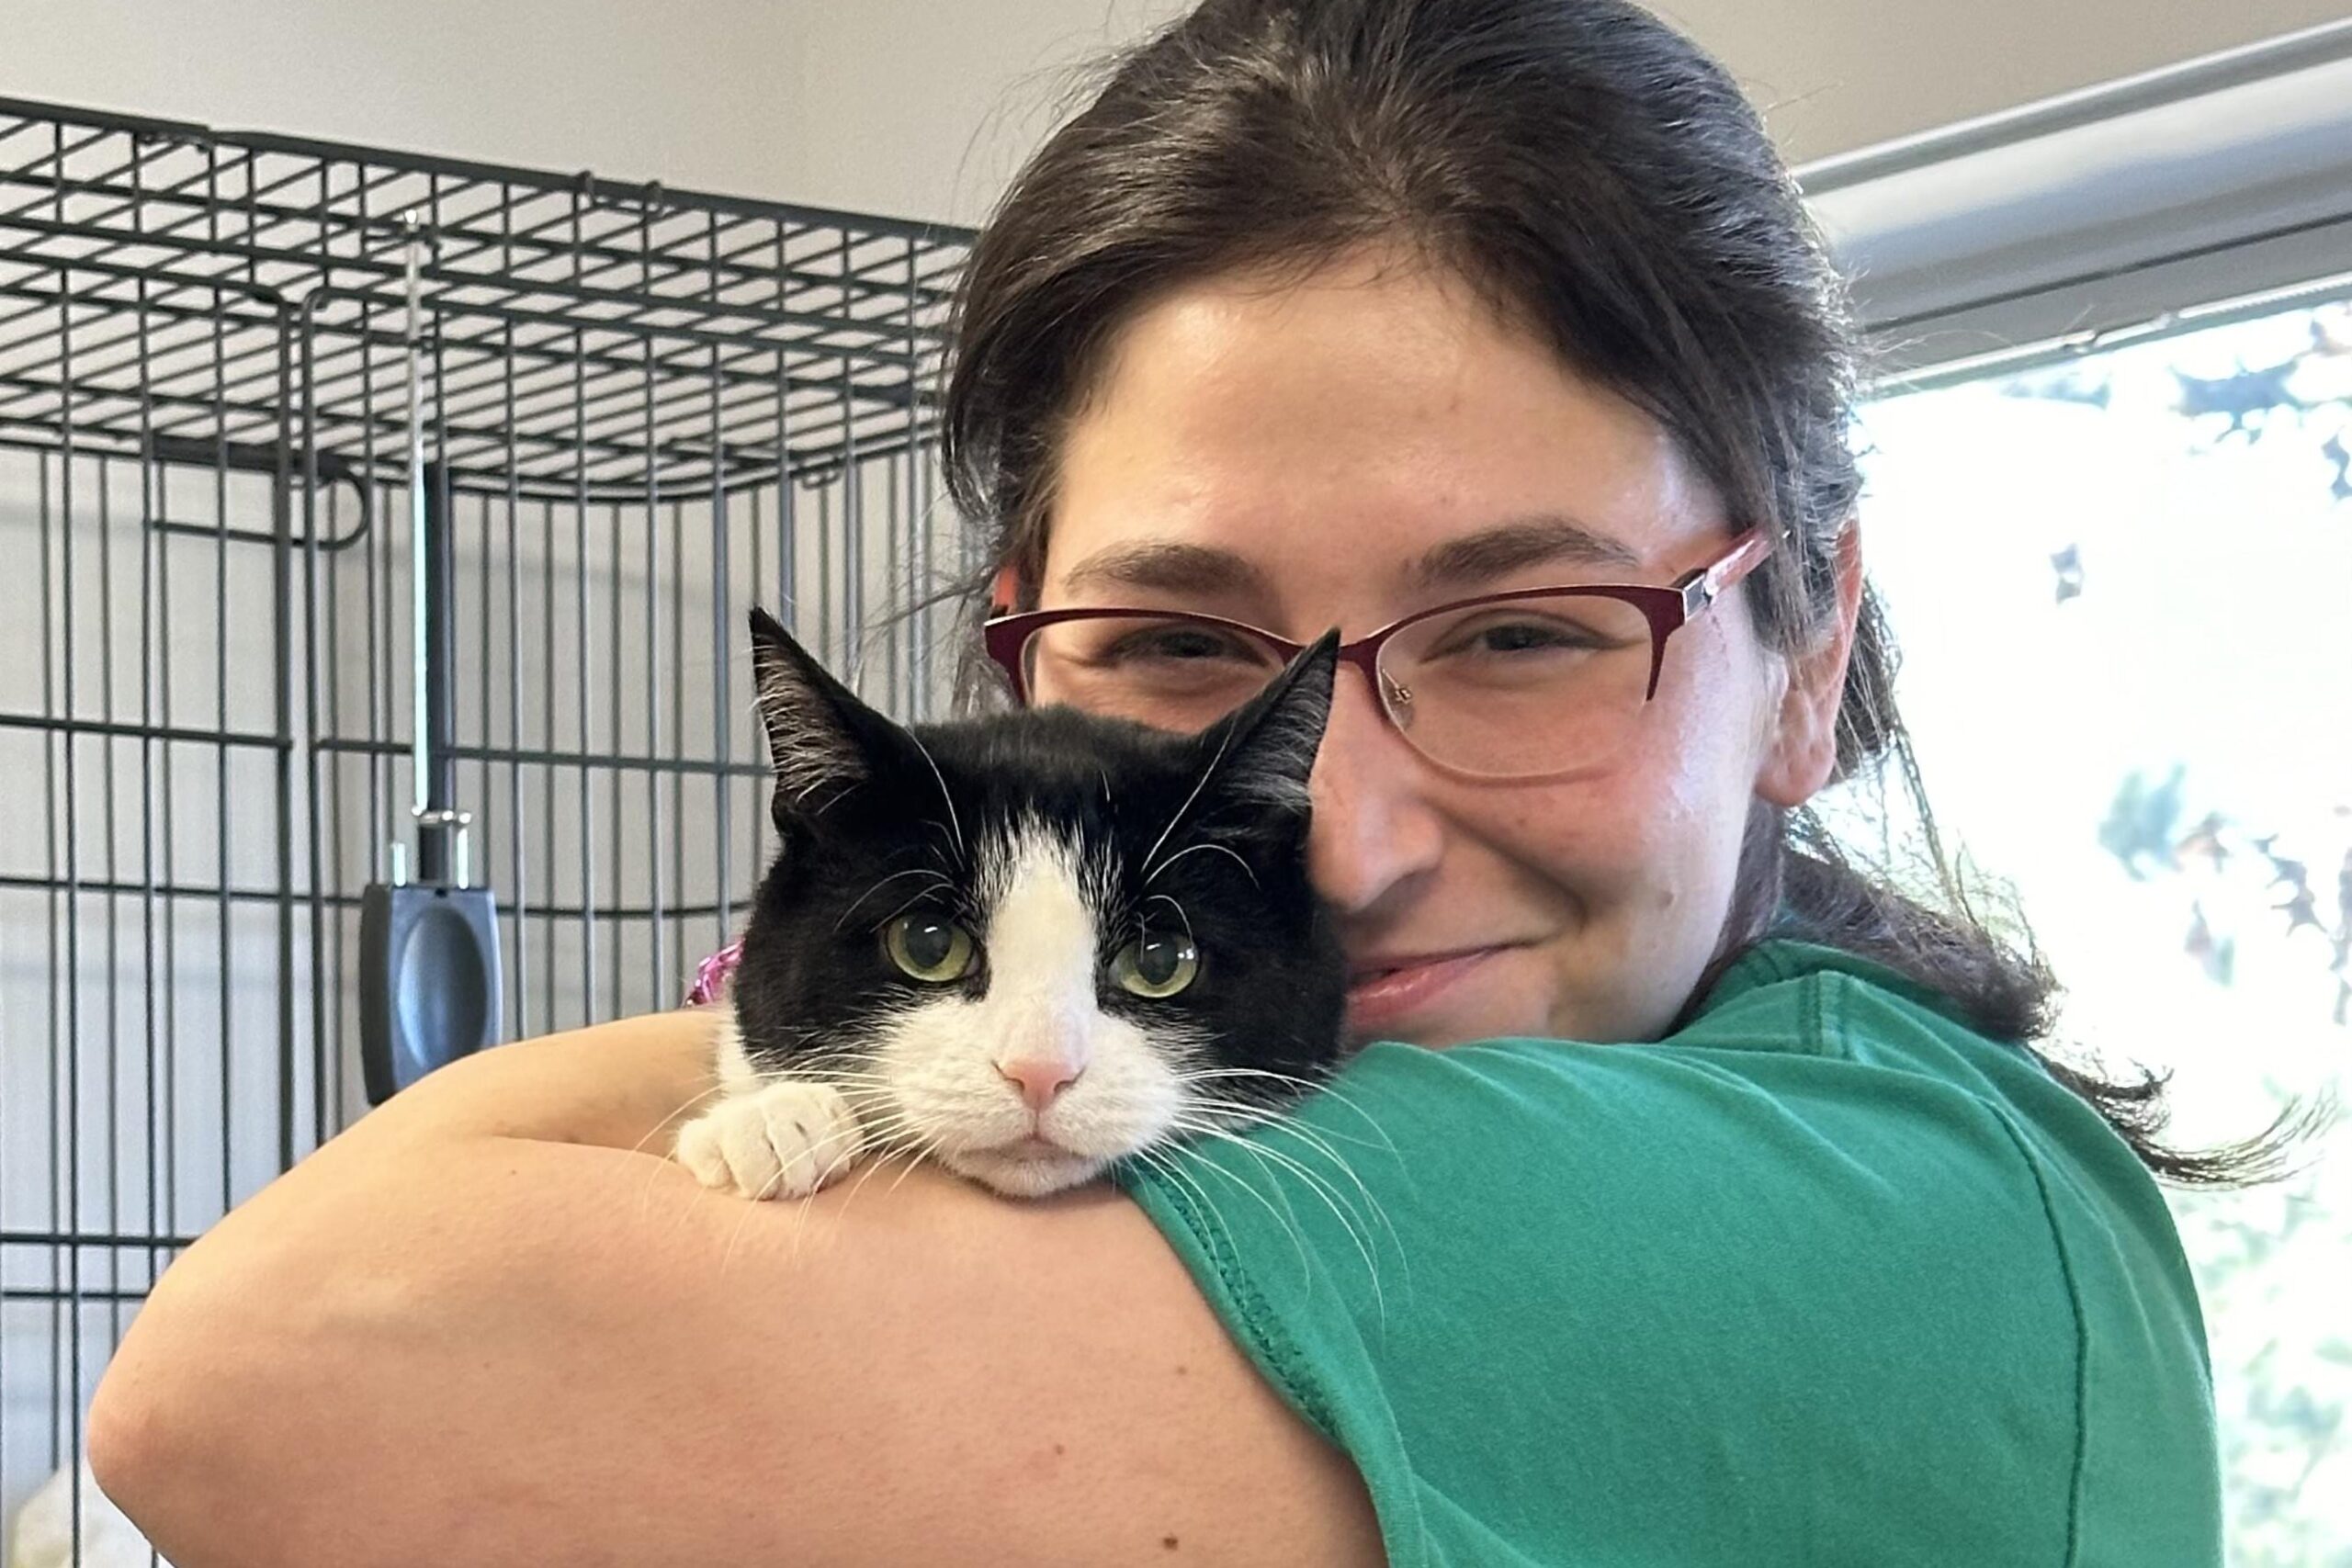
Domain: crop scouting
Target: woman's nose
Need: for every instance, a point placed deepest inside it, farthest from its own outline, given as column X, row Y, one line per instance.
column 1375, row 837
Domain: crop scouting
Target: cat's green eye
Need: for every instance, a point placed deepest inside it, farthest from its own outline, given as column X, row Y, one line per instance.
column 1155, row 966
column 929, row 949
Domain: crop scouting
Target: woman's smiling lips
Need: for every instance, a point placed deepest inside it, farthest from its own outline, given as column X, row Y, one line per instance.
column 1383, row 991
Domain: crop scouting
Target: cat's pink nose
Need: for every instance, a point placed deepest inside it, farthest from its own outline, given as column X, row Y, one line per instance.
column 1040, row 1078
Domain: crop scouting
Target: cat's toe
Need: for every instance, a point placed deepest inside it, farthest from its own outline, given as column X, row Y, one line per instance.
column 713, row 1148
column 784, row 1141
column 811, row 1135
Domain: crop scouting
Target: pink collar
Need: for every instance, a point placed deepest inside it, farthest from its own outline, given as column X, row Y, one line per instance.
column 710, row 980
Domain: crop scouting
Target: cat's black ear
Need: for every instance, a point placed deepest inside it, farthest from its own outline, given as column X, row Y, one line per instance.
column 821, row 737
column 1265, row 749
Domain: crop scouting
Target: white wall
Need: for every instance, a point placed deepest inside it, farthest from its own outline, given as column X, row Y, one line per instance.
column 920, row 107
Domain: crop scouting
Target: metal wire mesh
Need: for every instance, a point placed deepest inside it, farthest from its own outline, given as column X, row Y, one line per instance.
column 644, row 410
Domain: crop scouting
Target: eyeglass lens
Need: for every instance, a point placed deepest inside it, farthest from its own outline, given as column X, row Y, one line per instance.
column 1520, row 689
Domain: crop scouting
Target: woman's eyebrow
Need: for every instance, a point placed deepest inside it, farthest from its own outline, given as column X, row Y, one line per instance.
column 1539, row 540
column 1167, row 567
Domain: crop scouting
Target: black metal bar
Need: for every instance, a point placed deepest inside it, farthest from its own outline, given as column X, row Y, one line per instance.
column 221, row 757
column 313, row 659
column 211, row 893
column 68, row 618
column 162, row 620
column 148, row 549
column 653, row 824
column 107, row 800
column 58, row 1042
column 62, row 726
column 335, row 1038
column 757, row 865
column 618, row 773
column 722, row 721
column 444, row 282
column 281, row 631
column 547, row 736
column 330, row 225
column 62, row 1237
column 824, row 643
column 587, row 825
column 483, row 824
column 610, row 192
column 852, row 525
column 518, row 899
column 438, row 754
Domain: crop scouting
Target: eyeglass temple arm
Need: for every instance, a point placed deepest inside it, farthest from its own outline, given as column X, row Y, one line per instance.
column 1703, row 586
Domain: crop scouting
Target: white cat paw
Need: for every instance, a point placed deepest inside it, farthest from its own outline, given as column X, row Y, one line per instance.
column 785, row 1140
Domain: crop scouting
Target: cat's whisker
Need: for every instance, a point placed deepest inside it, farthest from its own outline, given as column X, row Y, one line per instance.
column 953, row 819
column 818, row 1072
column 1322, row 1086
column 743, row 1222
column 1194, row 849
column 654, row 1175
column 1164, row 1160
column 1274, row 1122
column 1199, row 785
column 1312, row 1140
column 931, row 872
column 1168, row 1159
column 1330, row 1198
column 926, row 1146
column 917, row 1148
column 916, row 898
column 1278, row 1123
column 1289, row 1223
column 886, row 1151
column 692, row 1101
column 1185, row 920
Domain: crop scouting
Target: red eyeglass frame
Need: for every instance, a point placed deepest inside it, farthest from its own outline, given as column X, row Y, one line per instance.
column 1668, row 610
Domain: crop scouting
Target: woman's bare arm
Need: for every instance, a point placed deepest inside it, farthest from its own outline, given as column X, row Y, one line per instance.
column 477, row 1330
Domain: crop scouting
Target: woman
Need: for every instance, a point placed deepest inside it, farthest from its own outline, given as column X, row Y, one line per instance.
column 1324, row 314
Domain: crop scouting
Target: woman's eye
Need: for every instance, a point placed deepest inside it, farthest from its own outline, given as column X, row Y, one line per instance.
column 1155, row 966
column 1505, row 638
column 1527, row 637
column 927, row 948
column 1178, row 645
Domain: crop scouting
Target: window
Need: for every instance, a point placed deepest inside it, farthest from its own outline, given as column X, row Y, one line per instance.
column 2122, row 586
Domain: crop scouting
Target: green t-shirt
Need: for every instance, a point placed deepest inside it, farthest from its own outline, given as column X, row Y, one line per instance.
column 1823, row 1279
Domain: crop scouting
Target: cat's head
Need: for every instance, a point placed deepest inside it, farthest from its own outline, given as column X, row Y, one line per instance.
column 1030, row 944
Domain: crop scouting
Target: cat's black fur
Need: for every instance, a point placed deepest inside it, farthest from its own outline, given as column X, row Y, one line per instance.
column 861, row 800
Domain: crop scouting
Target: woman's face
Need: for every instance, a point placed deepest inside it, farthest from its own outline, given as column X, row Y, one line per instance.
column 1309, row 446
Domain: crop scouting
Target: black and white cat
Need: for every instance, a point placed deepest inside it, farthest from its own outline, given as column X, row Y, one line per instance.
column 1025, row 946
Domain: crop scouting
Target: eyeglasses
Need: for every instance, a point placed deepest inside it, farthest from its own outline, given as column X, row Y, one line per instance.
column 1540, row 682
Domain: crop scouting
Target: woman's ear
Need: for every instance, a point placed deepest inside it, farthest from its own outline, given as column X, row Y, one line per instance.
column 1804, row 750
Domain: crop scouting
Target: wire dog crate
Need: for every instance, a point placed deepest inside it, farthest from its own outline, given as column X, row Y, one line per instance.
column 637, row 412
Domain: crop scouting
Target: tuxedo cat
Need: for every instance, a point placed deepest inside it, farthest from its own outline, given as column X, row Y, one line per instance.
column 1025, row 946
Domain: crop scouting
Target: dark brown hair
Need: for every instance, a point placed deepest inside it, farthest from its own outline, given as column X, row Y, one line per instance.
column 1601, row 179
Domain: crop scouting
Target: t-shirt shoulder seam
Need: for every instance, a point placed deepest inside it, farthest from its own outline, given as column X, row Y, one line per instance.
column 1255, row 1317
column 1829, row 1015
column 2081, row 1459
column 1831, row 992
column 1273, row 1349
